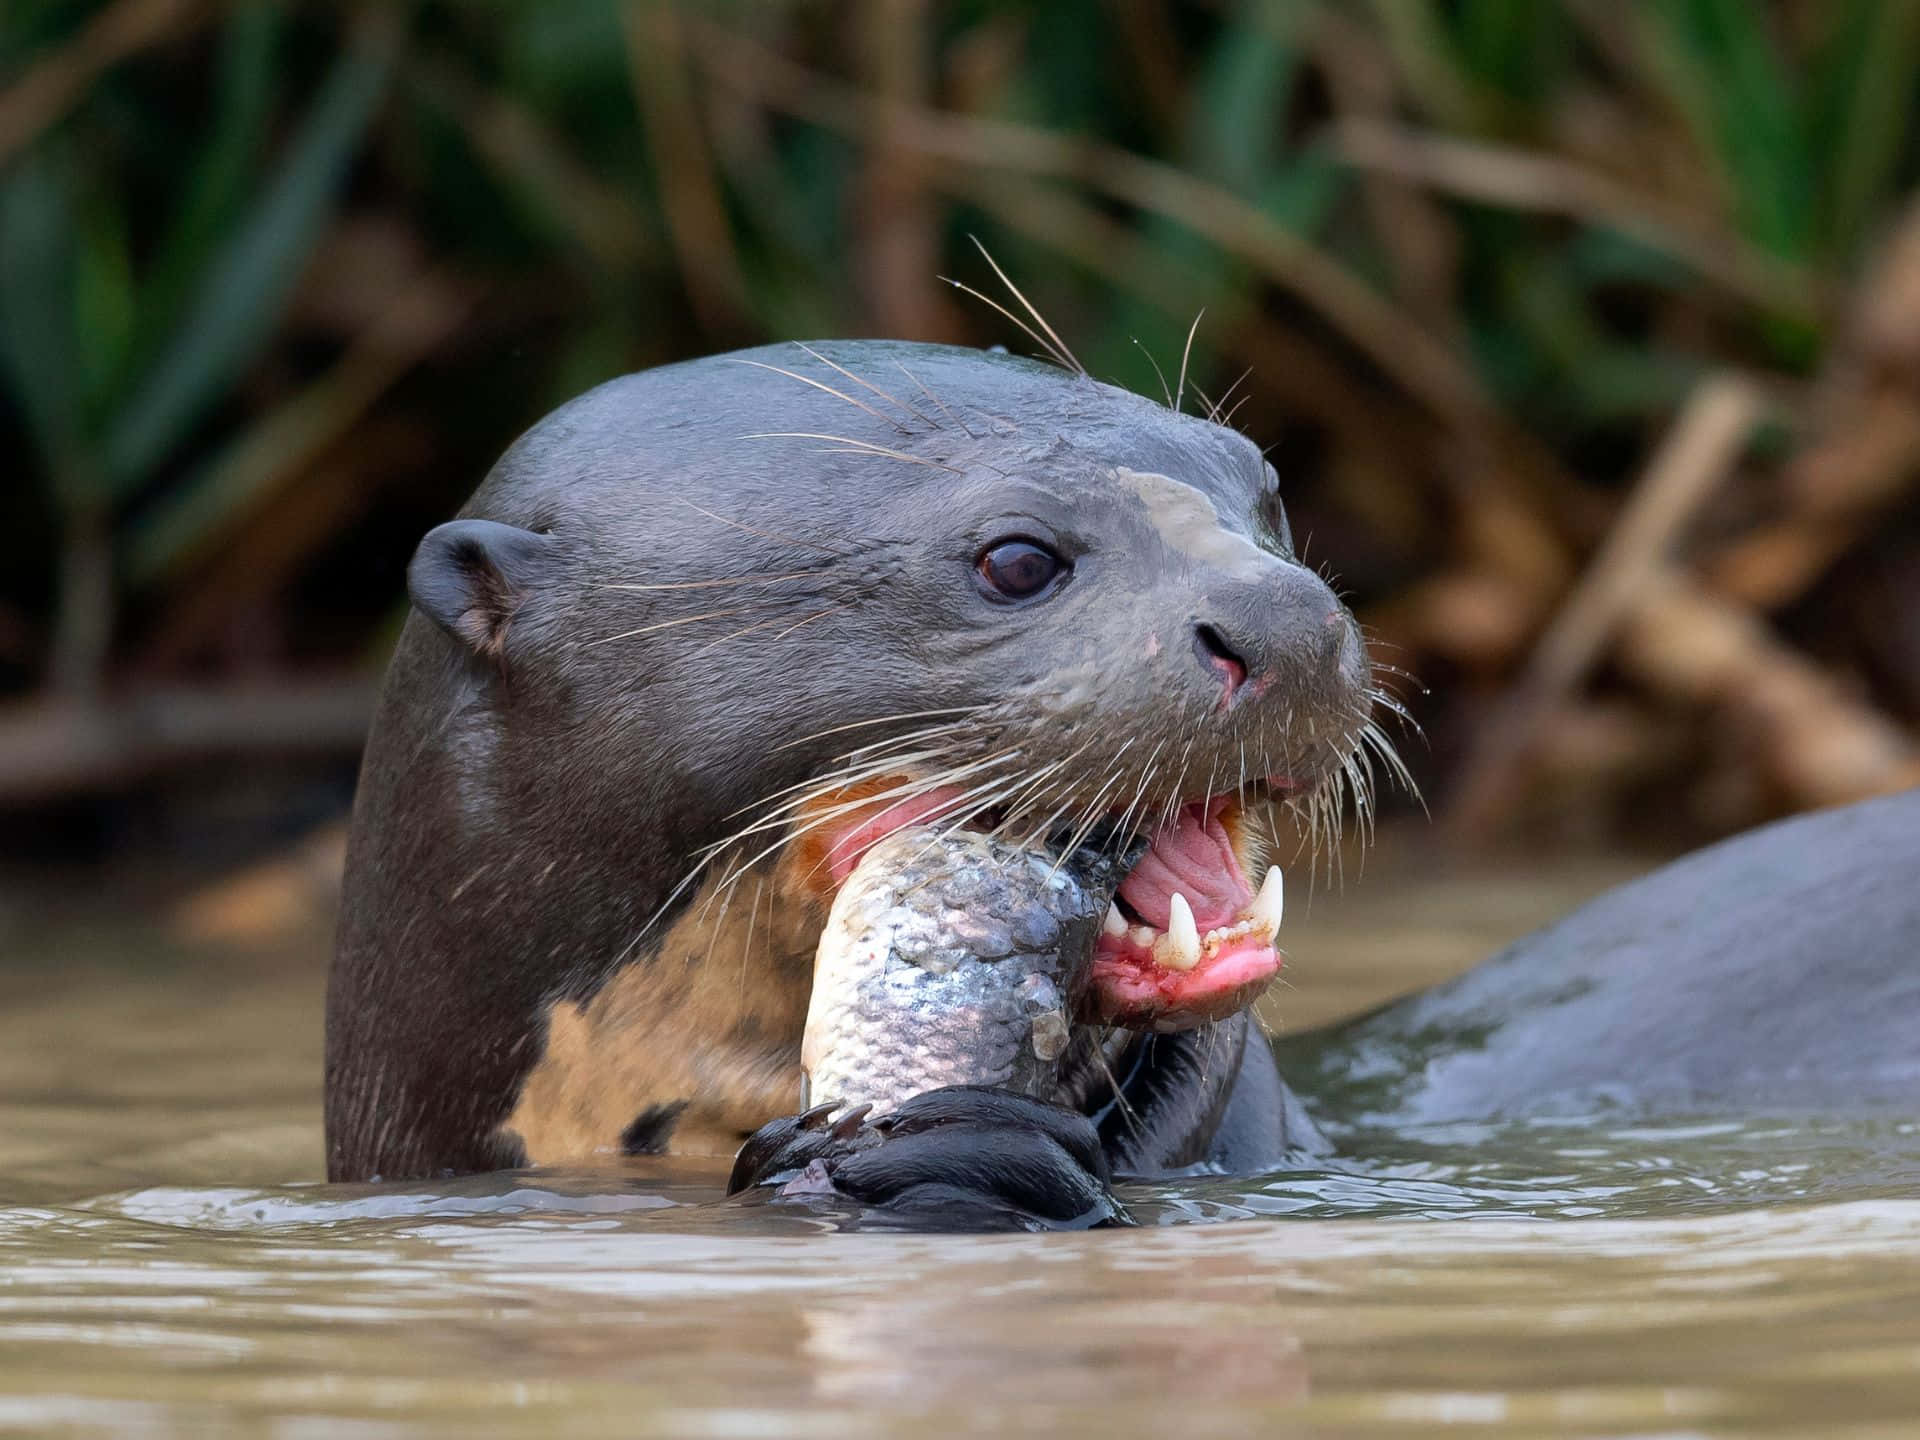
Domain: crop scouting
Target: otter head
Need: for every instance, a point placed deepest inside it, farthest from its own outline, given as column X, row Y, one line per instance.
column 763, row 609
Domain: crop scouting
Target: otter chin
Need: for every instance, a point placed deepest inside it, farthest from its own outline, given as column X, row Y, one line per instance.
column 708, row 632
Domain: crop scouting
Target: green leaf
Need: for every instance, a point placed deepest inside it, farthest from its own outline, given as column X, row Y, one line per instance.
column 1302, row 197
column 1862, row 111
column 246, row 282
column 217, row 185
column 1422, row 46
column 104, row 304
column 1239, row 111
column 37, row 341
column 1718, row 63
column 1517, row 48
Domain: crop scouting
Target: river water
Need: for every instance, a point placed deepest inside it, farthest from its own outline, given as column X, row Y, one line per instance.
column 171, row 1265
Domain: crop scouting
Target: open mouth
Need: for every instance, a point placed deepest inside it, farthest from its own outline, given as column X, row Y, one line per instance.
column 1189, row 937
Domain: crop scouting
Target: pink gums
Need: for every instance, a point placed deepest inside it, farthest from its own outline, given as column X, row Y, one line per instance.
column 1127, row 988
column 847, row 846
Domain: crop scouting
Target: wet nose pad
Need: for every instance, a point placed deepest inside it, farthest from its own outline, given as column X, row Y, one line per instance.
column 1290, row 628
column 1214, row 652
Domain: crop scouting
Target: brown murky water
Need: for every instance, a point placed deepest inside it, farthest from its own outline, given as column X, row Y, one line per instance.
column 170, row 1265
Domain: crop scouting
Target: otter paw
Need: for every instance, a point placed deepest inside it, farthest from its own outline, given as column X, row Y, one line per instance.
column 964, row 1158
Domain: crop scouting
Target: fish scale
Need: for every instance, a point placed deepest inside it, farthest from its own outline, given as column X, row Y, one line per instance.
column 951, row 958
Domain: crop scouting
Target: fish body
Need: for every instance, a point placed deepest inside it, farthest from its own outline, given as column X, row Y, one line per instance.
column 953, row 958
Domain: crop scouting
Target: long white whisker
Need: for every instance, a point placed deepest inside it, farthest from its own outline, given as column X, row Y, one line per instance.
column 868, row 384
column 848, row 445
column 823, row 386
column 1038, row 319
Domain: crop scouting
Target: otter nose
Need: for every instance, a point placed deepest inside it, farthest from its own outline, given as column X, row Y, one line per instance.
column 1287, row 628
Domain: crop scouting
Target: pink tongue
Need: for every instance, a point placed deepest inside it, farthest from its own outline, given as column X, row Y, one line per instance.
column 1193, row 856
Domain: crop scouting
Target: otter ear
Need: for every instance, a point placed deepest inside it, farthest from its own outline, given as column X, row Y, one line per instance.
column 470, row 576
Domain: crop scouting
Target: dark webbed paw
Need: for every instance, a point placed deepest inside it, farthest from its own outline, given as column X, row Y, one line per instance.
column 963, row 1158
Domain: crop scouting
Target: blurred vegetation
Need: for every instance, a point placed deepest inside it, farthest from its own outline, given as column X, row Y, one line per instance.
column 278, row 281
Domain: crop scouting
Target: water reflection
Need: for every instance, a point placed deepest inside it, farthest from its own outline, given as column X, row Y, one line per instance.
column 1586, row 1275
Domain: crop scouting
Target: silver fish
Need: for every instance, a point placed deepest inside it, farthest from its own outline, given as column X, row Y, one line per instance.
column 951, row 958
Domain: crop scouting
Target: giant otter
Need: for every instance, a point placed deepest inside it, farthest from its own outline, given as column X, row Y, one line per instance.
column 707, row 631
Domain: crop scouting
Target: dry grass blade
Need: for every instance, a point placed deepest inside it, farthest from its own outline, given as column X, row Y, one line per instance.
column 1699, row 453
column 1501, row 175
column 1391, row 339
column 695, row 215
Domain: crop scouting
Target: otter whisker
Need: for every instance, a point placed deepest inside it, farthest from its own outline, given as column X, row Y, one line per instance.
column 851, row 773
column 1213, row 407
column 974, row 803
column 762, row 818
column 816, row 615
column 927, row 391
column 821, row 385
column 716, row 584
column 1091, row 813
column 873, row 747
column 868, row 384
column 1128, row 1114
column 908, row 788
column 1053, row 355
column 848, row 445
column 667, row 625
column 746, row 950
column 1027, row 795
column 906, row 791
column 1186, row 353
column 948, row 820
column 763, row 624
column 1388, row 701
column 815, row 788
column 880, row 720
column 1034, row 836
column 1129, row 818
column 1060, row 345
column 1373, row 736
column 764, row 534
column 1165, row 389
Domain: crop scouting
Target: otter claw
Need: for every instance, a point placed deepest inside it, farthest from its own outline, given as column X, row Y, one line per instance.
column 958, row 1158
column 814, row 1118
column 848, row 1125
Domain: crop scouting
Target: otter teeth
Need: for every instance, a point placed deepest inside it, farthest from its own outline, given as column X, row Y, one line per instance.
column 1270, row 903
column 1179, row 948
column 1115, row 924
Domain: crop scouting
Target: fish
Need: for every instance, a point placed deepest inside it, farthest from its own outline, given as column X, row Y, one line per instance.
column 952, row 957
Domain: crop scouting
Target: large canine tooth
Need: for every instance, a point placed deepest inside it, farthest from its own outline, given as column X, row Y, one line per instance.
column 1269, row 904
column 1179, row 948
column 1115, row 924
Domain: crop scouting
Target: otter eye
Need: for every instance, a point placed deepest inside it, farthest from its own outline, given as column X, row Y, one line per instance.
column 1019, row 569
